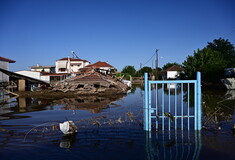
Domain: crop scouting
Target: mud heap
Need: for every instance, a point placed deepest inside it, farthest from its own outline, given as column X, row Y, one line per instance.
column 91, row 82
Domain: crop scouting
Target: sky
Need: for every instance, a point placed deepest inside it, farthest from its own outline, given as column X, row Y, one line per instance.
column 121, row 32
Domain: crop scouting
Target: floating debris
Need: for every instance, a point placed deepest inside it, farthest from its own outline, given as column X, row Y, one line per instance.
column 119, row 120
column 68, row 127
column 131, row 116
column 96, row 123
column 5, row 130
column 167, row 114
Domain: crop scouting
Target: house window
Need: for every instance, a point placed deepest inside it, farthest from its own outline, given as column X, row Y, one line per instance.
column 75, row 64
column 62, row 69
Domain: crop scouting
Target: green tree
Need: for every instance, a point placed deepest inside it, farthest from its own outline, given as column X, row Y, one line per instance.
column 158, row 71
column 226, row 50
column 167, row 65
column 209, row 62
column 129, row 70
column 143, row 70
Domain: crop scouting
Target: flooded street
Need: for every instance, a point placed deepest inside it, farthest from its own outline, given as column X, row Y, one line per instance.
column 112, row 128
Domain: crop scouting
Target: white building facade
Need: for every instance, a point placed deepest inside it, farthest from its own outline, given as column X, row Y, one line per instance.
column 172, row 72
column 104, row 67
column 4, row 64
column 47, row 69
column 70, row 65
column 34, row 74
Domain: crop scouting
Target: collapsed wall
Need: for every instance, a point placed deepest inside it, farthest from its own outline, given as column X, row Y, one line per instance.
column 91, row 82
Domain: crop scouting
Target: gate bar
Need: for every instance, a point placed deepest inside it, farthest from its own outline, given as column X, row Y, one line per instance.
column 147, row 101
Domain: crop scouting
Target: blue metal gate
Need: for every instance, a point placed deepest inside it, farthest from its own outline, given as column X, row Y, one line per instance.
column 172, row 104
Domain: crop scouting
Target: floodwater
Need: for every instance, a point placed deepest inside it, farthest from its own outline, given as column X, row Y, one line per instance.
column 112, row 128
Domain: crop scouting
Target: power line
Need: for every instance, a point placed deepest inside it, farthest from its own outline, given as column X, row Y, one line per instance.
column 149, row 59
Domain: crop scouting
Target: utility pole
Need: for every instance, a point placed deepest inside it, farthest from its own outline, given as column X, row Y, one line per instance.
column 156, row 63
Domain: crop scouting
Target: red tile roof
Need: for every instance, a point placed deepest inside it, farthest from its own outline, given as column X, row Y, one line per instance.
column 100, row 64
column 8, row 60
column 173, row 68
column 72, row 59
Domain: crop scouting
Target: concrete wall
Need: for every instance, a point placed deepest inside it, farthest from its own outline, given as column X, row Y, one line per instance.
column 4, row 77
column 21, row 85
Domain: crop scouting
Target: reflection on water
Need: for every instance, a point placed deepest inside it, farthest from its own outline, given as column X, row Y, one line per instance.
column 173, row 145
column 229, row 95
column 95, row 104
column 118, row 136
column 67, row 141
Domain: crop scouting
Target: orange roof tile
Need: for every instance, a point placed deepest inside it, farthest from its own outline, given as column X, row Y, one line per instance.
column 173, row 68
column 100, row 64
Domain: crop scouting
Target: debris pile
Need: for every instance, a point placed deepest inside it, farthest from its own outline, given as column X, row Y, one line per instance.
column 91, row 82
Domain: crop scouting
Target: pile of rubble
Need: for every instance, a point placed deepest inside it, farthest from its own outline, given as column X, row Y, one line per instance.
column 91, row 82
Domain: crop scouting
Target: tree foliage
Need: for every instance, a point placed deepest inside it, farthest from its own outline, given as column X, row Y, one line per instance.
column 143, row 70
column 226, row 50
column 167, row 65
column 211, row 60
column 129, row 70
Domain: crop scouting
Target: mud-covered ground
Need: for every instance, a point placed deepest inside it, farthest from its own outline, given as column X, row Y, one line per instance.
column 48, row 94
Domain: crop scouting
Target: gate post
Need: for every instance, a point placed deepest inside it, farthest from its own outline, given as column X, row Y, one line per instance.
column 146, row 103
column 199, row 102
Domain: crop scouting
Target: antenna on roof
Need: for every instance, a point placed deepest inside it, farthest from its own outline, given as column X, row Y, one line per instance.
column 74, row 55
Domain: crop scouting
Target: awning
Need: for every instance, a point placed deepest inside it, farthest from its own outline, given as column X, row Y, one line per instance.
column 62, row 65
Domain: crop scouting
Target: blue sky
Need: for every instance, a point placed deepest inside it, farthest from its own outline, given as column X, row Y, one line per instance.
column 122, row 32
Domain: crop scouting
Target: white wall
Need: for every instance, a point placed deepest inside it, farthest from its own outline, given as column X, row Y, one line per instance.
column 106, row 68
column 172, row 74
column 40, row 70
column 69, row 68
column 4, row 77
column 75, row 66
column 45, row 78
column 86, row 64
column 32, row 74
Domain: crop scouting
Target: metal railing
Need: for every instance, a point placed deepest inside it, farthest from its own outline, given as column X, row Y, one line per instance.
column 168, row 103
